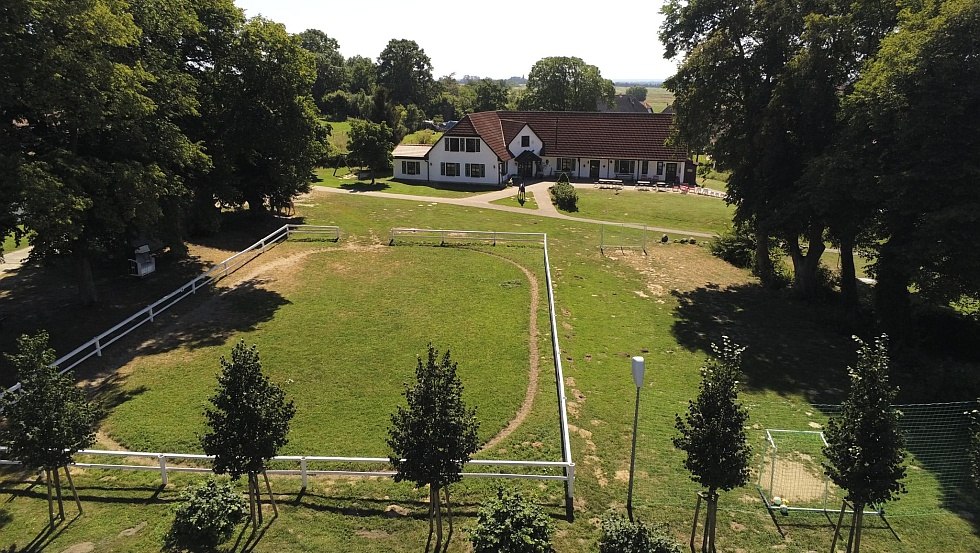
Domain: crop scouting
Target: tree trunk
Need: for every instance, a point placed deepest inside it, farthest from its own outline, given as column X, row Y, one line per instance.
column 763, row 264
column 57, row 491
column 435, row 495
column 86, row 282
column 893, row 303
column 47, row 481
column 74, row 491
column 432, row 513
column 251, row 505
column 709, row 524
column 848, row 275
column 174, row 218
column 372, row 177
column 805, row 266
column 858, row 523
column 272, row 499
column 258, row 495
column 256, row 203
column 449, row 510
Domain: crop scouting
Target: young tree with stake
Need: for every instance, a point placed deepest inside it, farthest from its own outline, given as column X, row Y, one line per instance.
column 48, row 420
column 435, row 435
column 713, row 434
column 865, row 449
column 247, row 424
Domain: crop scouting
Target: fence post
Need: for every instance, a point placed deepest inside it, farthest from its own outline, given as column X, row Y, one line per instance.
column 570, row 491
column 303, row 475
column 443, row 234
column 163, row 469
column 150, row 308
column 98, row 348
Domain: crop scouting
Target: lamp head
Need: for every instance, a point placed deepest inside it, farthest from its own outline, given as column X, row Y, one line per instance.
column 639, row 367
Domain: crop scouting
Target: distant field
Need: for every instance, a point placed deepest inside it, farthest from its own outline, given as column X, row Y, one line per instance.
column 657, row 98
column 339, row 133
column 10, row 246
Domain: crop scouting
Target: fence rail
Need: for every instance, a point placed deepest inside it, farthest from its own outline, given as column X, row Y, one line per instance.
column 95, row 346
column 445, row 236
column 164, row 465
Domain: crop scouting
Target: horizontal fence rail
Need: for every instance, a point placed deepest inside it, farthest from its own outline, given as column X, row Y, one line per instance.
column 163, row 463
column 445, row 236
column 95, row 346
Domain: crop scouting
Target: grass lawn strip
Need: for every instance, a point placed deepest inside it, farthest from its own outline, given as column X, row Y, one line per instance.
column 344, row 180
column 680, row 211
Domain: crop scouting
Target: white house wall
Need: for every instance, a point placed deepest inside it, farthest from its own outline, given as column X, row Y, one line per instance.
column 401, row 175
column 535, row 143
column 439, row 155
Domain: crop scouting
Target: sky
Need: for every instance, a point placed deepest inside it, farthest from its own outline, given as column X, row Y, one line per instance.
column 488, row 39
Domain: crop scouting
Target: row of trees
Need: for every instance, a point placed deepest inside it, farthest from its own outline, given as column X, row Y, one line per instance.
column 852, row 123
column 865, row 453
column 129, row 122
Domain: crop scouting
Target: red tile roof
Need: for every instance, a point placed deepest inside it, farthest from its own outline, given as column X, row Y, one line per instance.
column 577, row 134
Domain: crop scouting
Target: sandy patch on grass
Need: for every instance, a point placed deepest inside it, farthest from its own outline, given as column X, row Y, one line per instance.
column 679, row 267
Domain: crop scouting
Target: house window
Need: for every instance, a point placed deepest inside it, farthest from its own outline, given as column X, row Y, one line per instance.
column 453, row 144
column 410, row 168
column 625, row 166
column 660, row 168
column 476, row 170
column 449, row 169
column 472, row 144
column 525, row 141
column 565, row 164
column 644, row 167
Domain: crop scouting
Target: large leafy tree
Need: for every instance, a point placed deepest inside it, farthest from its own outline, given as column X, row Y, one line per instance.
column 370, row 145
column 565, row 84
column 405, row 70
column 435, row 434
column 491, row 95
column 48, row 420
column 331, row 70
column 362, row 75
column 712, row 433
column 759, row 87
column 91, row 106
column 913, row 115
column 865, row 448
column 248, row 422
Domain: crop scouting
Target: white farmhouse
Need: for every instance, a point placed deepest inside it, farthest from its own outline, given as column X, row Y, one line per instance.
column 492, row 146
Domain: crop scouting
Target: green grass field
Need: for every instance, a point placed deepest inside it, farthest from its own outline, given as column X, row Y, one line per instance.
column 387, row 184
column 511, row 201
column 683, row 212
column 657, row 98
column 339, row 134
column 668, row 306
column 9, row 245
column 342, row 341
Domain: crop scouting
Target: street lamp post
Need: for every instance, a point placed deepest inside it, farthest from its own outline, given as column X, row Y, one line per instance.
column 639, row 367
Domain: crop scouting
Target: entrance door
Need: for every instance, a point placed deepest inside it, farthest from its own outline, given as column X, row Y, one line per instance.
column 594, row 169
column 525, row 169
column 671, row 176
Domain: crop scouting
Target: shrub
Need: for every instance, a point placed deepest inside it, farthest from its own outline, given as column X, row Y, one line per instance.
column 619, row 535
column 736, row 246
column 206, row 517
column 564, row 195
column 513, row 524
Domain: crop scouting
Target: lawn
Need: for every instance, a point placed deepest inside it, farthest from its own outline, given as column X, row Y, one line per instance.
column 668, row 306
column 339, row 134
column 511, row 201
column 657, row 98
column 325, row 177
column 339, row 330
column 678, row 211
column 9, row 245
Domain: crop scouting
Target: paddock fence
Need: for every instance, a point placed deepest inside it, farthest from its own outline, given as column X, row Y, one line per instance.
column 446, row 237
column 95, row 346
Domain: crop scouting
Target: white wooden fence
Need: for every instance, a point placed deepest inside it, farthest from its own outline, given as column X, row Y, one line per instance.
column 95, row 346
column 163, row 461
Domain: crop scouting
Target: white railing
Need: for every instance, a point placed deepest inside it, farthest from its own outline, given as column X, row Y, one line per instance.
column 445, row 236
column 95, row 346
column 162, row 463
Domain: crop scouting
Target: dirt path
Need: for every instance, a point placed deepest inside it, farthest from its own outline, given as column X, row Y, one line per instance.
column 533, row 360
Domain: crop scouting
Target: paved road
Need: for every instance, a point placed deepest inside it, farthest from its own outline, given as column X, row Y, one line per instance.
column 13, row 260
column 541, row 196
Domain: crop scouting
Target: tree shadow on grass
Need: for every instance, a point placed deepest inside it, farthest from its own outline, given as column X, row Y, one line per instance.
column 241, row 229
column 791, row 346
column 794, row 347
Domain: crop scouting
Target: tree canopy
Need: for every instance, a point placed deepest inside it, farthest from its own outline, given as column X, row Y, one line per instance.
column 491, row 95
column 565, row 84
column 371, row 145
column 405, row 70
